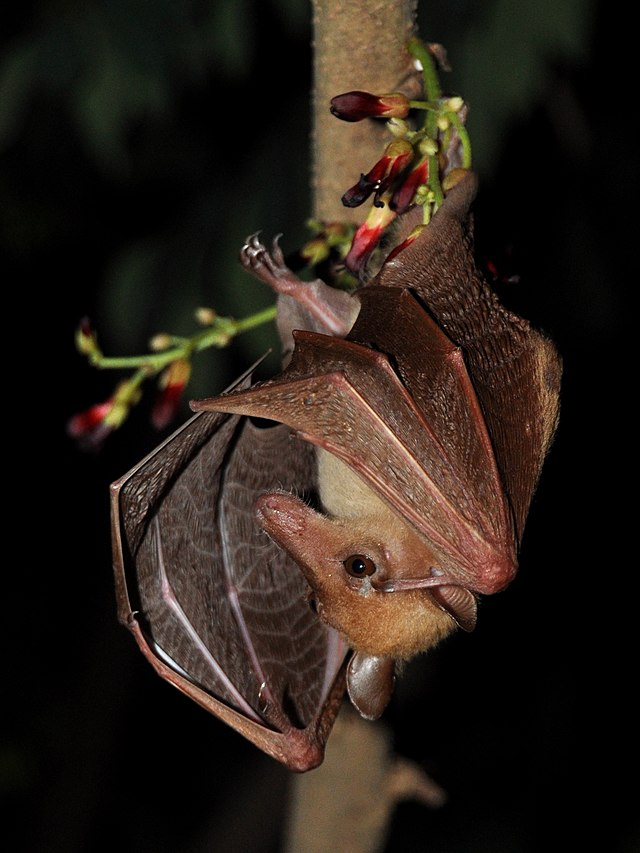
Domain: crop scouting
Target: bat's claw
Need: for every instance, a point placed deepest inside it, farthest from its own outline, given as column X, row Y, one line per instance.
column 326, row 309
column 268, row 266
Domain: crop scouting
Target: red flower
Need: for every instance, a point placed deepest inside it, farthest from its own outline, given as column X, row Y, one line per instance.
column 356, row 105
column 172, row 384
column 404, row 195
column 93, row 426
column 368, row 236
column 397, row 156
column 417, row 231
column 89, row 427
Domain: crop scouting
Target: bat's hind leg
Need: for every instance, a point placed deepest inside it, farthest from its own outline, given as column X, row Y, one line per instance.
column 332, row 311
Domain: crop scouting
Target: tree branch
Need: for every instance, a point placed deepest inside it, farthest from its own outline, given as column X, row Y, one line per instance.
column 348, row 801
column 357, row 45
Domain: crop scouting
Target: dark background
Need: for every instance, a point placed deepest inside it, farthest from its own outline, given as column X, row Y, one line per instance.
column 139, row 143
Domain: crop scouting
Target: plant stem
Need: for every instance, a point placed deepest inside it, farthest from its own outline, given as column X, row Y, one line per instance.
column 217, row 335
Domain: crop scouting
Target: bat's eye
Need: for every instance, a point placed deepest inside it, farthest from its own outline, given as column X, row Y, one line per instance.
column 359, row 566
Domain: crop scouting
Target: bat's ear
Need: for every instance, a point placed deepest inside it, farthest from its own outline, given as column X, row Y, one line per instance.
column 370, row 683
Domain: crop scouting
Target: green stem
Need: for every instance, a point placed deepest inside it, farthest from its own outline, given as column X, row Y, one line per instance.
column 431, row 84
column 463, row 133
column 433, row 93
column 217, row 335
column 434, row 106
column 434, row 182
column 432, row 88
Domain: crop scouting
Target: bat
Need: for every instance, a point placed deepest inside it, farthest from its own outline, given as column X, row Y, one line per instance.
column 410, row 424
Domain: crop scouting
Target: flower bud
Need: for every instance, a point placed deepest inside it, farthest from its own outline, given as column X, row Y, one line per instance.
column 160, row 342
column 454, row 104
column 453, row 177
column 397, row 127
column 356, row 105
column 83, row 423
column 205, row 316
column 404, row 196
column 86, row 340
column 428, row 147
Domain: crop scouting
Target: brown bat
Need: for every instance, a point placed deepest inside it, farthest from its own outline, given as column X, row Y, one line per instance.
column 414, row 417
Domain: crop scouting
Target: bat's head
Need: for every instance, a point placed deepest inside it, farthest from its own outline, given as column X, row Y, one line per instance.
column 349, row 566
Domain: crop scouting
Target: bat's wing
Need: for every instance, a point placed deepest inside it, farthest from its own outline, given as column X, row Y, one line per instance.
column 217, row 608
column 515, row 369
column 421, row 443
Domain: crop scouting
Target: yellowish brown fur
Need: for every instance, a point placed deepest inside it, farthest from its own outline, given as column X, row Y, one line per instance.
column 398, row 624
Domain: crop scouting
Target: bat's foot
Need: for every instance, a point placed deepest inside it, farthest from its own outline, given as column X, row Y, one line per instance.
column 332, row 311
column 269, row 266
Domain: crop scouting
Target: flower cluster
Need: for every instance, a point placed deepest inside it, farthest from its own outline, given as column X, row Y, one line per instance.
column 418, row 166
column 169, row 362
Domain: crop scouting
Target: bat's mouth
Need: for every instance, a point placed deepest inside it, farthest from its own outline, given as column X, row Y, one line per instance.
column 458, row 601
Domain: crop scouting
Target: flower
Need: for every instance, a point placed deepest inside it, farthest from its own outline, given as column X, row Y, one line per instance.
column 404, row 195
column 356, row 105
column 417, row 231
column 368, row 235
column 172, row 383
column 397, row 156
column 89, row 427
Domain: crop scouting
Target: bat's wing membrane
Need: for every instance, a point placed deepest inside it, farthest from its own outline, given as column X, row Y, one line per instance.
column 218, row 609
